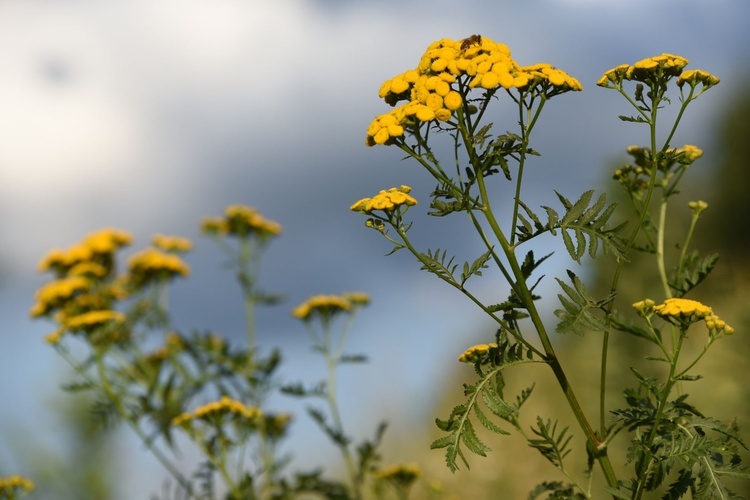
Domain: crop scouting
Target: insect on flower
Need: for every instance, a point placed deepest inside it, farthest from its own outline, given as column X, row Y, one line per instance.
column 472, row 40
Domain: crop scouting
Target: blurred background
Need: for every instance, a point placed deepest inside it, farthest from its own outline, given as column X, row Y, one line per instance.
column 148, row 116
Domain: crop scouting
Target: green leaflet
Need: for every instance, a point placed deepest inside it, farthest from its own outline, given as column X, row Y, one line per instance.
column 578, row 305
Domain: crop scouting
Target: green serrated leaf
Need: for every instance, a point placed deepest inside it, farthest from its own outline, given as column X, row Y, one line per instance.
column 471, row 440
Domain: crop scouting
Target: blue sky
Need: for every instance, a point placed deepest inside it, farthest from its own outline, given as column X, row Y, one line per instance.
column 149, row 115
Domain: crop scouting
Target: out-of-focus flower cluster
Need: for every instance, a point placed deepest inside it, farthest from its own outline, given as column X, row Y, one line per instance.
column 447, row 71
column 223, row 406
column 86, row 290
column 657, row 69
column 241, row 221
column 11, row 486
column 327, row 306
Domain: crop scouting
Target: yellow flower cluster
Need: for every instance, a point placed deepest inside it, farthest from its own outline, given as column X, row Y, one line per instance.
column 689, row 153
column 695, row 76
column 223, row 406
column 93, row 319
column 56, row 293
column 323, row 305
column 241, row 220
column 475, row 353
column 172, row 243
column 716, row 325
column 684, row 311
column 682, row 308
column 92, row 248
column 150, row 264
column 657, row 69
column 9, row 485
column 447, row 70
column 637, row 176
column 386, row 200
column 357, row 298
column 401, row 473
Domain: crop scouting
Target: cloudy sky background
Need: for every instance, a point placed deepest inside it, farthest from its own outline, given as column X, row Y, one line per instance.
column 150, row 115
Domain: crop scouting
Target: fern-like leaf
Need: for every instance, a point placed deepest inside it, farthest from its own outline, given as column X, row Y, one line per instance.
column 576, row 315
column 552, row 445
column 475, row 269
column 436, row 263
column 584, row 220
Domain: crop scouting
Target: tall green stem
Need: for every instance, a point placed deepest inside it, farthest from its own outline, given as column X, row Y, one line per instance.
column 660, row 248
column 550, row 355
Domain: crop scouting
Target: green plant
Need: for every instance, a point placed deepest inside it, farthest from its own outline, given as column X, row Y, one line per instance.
column 448, row 97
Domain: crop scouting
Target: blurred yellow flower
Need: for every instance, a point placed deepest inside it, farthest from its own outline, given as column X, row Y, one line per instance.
column 323, row 305
column 225, row 405
column 172, row 243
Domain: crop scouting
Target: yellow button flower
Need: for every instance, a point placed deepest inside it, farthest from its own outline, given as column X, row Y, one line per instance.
column 387, row 201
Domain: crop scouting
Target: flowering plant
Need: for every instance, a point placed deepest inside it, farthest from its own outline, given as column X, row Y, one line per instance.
column 202, row 389
column 199, row 386
column 673, row 447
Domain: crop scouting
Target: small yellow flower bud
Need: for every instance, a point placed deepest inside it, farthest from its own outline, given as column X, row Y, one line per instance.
column 697, row 206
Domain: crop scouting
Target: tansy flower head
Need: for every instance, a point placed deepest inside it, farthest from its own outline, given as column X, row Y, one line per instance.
column 688, row 153
column 717, row 326
column 683, row 310
column 89, row 270
column 695, row 76
column 387, row 201
column 171, row 243
column 432, row 91
column 357, row 298
column 475, row 353
column 62, row 260
column 225, row 406
column 404, row 474
column 107, row 240
column 93, row 319
column 151, row 264
column 11, row 485
column 324, row 306
column 53, row 295
column 644, row 308
column 554, row 81
column 646, row 70
column 243, row 220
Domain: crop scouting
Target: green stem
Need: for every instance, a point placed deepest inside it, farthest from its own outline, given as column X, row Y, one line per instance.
column 683, row 252
column 628, row 246
column 550, row 355
column 645, row 463
column 660, row 248
column 333, row 407
column 247, row 280
column 526, row 132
